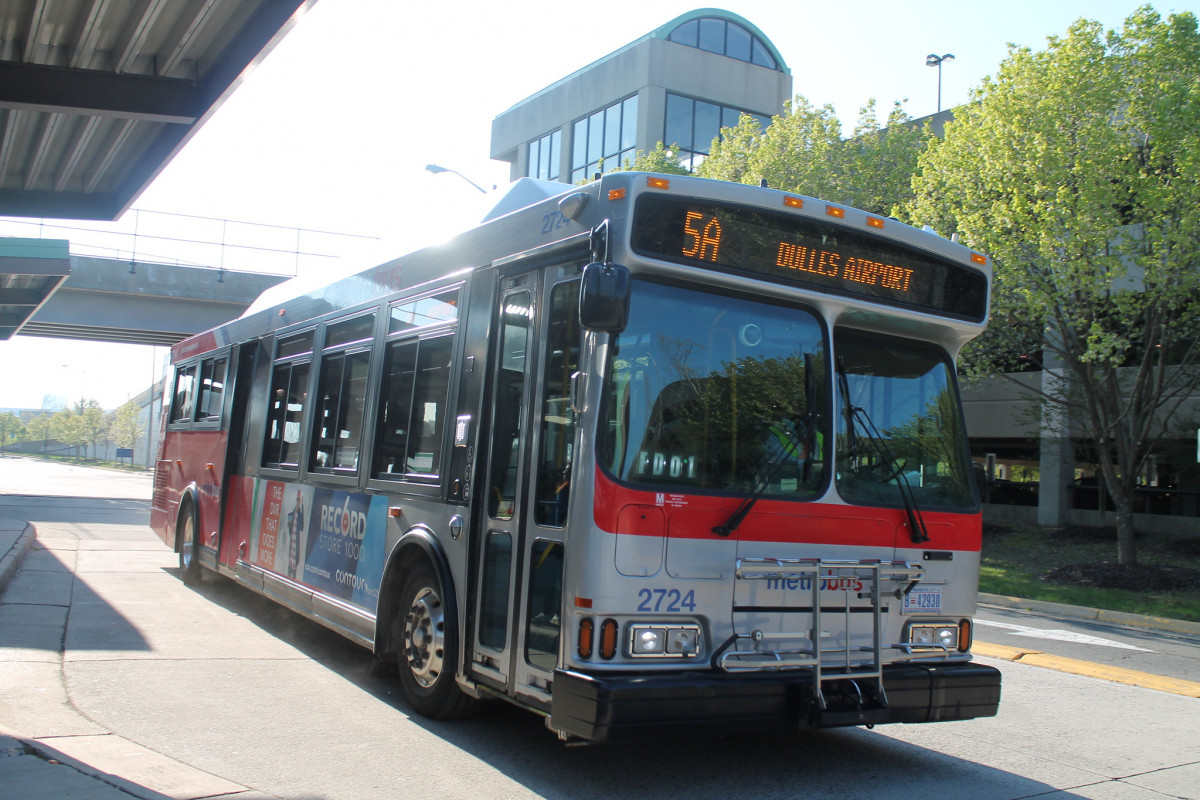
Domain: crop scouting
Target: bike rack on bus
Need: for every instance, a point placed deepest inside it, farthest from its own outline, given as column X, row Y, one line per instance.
column 904, row 574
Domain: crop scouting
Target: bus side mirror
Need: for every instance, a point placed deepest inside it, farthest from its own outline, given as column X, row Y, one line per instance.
column 604, row 298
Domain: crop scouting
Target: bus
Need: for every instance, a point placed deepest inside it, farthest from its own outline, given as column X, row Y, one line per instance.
column 650, row 456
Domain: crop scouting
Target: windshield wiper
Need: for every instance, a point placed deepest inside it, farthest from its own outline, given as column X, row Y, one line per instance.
column 856, row 415
column 786, row 453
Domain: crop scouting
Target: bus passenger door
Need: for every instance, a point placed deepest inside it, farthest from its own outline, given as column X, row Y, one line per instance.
column 529, row 477
column 500, row 538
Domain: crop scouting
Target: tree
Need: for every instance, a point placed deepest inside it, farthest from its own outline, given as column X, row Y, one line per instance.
column 660, row 160
column 93, row 425
column 10, row 428
column 803, row 151
column 126, row 425
column 1077, row 169
column 40, row 426
column 67, row 426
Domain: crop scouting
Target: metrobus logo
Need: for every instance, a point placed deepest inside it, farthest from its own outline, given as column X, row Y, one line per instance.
column 805, row 584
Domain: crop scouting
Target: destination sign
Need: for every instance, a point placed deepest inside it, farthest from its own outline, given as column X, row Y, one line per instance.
column 806, row 252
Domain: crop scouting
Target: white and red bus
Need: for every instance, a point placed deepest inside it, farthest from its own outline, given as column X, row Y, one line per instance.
column 652, row 455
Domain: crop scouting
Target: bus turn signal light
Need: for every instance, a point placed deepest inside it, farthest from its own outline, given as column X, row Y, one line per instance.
column 608, row 639
column 586, row 629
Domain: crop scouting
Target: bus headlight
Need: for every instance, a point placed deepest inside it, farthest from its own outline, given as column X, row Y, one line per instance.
column 934, row 636
column 672, row 641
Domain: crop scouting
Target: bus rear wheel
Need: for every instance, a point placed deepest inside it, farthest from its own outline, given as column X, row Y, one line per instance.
column 189, row 564
column 428, row 651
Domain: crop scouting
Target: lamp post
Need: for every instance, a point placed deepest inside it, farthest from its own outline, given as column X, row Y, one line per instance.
column 934, row 60
column 436, row 170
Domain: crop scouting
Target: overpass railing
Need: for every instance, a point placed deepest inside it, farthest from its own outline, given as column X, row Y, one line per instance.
column 159, row 237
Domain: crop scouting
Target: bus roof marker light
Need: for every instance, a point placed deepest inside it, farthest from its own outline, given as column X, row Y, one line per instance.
column 875, row 222
column 834, row 211
column 658, row 183
column 616, row 194
column 793, row 202
column 979, row 259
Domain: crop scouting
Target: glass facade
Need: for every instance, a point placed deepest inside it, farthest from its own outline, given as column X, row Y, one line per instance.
column 606, row 138
column 545, row 155
column 726, row 38
column 692, row 125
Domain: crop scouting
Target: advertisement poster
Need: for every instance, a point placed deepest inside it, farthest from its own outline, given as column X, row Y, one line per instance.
column 330, row 540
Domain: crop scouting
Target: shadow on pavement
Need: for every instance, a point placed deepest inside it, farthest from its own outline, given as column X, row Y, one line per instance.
column 516, row 742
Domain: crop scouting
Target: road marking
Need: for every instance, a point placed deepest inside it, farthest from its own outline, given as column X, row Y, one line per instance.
column 1059, row 635
column 1087, row 668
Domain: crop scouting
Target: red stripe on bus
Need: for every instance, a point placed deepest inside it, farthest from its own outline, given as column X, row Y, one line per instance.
column 635, row 512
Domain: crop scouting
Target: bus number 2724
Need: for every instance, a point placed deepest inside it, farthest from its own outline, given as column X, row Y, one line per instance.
column 656, row 600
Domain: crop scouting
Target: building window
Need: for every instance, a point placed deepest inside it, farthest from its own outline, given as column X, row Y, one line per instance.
column 725, row 38
column 545, row 156
column 693, row 124
column 604, row 140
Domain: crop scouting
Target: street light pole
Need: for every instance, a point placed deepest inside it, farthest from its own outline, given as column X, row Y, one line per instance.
column 436, row 170
column 934, row 60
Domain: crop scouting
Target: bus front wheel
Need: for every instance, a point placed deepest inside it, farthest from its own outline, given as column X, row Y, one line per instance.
column 428, row 651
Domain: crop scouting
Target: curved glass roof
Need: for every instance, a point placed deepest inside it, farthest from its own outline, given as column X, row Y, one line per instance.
column 725, row 33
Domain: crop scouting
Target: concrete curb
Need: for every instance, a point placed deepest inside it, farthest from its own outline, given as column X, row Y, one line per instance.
column 10, row 562
column 1099, row 615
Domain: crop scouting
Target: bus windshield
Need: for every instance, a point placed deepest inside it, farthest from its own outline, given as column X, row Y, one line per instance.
column 712, row 393
column 898, row 420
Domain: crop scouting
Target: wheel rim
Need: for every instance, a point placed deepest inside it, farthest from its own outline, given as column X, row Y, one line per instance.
column 424, row 637
column 188, row 546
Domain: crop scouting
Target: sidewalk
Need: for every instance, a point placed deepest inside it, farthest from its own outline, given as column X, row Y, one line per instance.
column 35, row 769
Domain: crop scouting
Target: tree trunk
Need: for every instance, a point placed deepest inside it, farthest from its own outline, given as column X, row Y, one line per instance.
column 1126, row 546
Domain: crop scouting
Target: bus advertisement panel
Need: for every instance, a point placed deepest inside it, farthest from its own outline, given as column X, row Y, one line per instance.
column 329, row 540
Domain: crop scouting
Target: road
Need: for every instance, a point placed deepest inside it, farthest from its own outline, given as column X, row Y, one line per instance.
column 107, row 657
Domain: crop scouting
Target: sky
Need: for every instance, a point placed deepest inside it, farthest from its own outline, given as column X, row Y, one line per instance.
column 332, row 131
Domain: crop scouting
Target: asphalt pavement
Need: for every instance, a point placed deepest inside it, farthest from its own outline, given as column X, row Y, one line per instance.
column 32, row 769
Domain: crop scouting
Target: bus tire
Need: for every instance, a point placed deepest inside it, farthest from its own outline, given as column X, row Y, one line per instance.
column 186, row 533
column 428, row 651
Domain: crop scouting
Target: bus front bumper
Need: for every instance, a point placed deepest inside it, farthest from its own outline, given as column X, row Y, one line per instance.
column 613, row 708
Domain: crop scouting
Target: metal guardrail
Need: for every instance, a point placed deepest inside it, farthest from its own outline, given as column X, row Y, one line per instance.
column 160, row 237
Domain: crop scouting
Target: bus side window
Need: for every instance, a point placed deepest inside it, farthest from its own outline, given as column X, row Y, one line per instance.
column 506, row 420
column 285, row 408
column 412, row 416
column 185, row 388
column 558, row 421
column 212, row 389
column 342, row 393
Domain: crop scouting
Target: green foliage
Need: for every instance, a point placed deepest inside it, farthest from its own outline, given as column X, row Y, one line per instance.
column 126, row 425
column 10, row 428
column 803, row 151
column 661, row 160
column 1077, row 169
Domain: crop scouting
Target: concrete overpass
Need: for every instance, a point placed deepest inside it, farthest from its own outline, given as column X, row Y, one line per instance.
column 49, row 292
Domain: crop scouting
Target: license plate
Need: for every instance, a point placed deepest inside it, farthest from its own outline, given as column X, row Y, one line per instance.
column 923, row 600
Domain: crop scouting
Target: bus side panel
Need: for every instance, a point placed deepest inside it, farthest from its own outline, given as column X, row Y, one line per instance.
column 165, row 498
column 202, row 454
column 239, row 511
